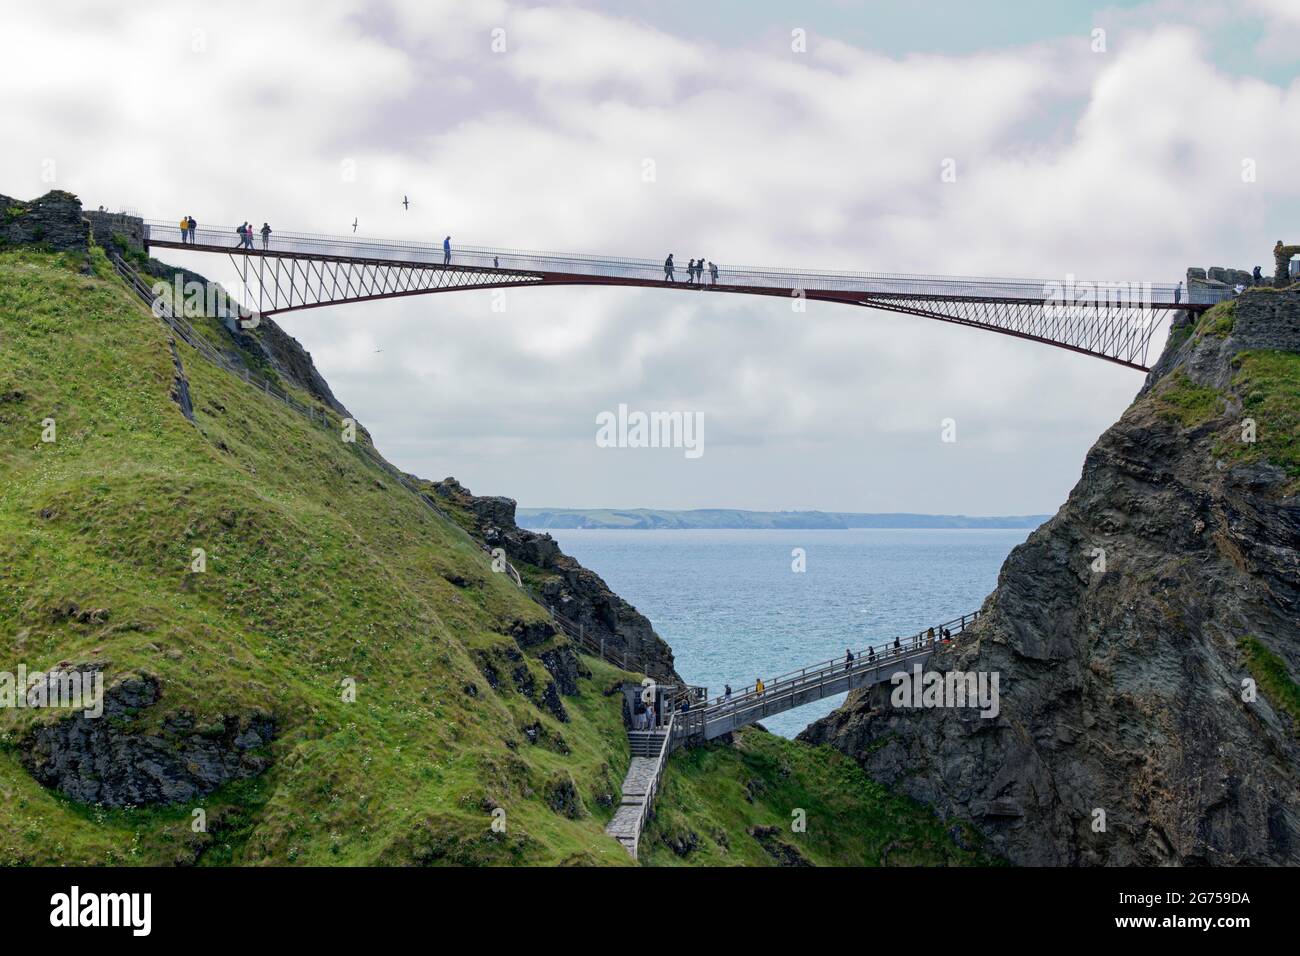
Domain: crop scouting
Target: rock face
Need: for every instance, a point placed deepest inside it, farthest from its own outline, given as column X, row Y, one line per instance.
column 53, row 221
column 566, row 586
column 1122, row 689
column 107, row 760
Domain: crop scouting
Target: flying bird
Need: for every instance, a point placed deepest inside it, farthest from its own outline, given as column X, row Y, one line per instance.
column 407, row 203
column 354, row 224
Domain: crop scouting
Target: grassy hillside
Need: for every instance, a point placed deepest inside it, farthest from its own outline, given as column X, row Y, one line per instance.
column 320, row 570
column 738, row 805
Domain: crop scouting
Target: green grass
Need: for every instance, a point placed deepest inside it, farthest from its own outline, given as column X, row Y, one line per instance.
column 1218, row 320
column 1269, row 384
column 320, row 567
column 1179, row 399
column 1271, row 674
column 713, row 796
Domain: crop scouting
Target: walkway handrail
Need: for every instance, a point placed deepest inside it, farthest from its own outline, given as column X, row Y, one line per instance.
column 885, row 650
column 596, row 648
column 661, row 761
column 223, row 238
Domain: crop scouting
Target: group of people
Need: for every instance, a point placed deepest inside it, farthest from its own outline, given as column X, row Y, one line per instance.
column 246, row 232
column 694, row 271
column 931, row 636
column 188, row 225
column 943, row 636
column 644, row 716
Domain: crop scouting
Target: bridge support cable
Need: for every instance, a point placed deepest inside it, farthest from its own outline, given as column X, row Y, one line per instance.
column 273, row 283
column 1118, row 332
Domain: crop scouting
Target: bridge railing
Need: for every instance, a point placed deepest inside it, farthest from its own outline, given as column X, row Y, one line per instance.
column 652, row 790
column 1063, row 291
column 792, row 682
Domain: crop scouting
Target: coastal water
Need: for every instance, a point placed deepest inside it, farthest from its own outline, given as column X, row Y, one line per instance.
column 733, row 609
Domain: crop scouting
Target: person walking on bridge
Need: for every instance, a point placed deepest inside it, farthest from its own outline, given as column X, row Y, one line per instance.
column 898, row 646
column 241, row 229
column 668, row 268
column 185, row 228
column 726, row 692
column 266, row 235
column 1178, row 292
column 193, row 225
column 758, row 686
column 848, row 659
column 690, row 272
column 446, row 251
column 713, row 271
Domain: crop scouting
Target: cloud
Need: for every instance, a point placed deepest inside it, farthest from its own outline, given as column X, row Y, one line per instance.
column 1125, row 164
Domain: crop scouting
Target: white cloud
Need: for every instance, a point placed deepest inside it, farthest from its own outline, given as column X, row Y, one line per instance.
column 1125, row 164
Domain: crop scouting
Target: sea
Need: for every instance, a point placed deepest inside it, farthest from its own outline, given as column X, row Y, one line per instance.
column 734, row 604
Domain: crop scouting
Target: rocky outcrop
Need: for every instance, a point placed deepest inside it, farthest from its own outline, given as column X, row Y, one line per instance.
column 112, row 760
column 180, row 393
column 565, row 585
column 769, row 838
column 565, row 667
column 1127, row 731
column 54, row 221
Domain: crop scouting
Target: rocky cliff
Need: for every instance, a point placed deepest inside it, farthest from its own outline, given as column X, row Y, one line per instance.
column 559, row 581
column 1147, row 637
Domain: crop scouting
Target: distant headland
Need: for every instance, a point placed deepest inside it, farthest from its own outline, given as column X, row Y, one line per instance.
column 543, row 519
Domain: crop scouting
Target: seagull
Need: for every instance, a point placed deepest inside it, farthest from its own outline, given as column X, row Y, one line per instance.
column 354, row 223
column 406, row 202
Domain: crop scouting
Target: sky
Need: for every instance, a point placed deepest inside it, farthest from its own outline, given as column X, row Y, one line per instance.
column 1125, row 141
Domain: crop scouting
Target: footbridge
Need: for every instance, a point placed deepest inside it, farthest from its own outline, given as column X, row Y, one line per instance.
column 286, row 272
column 680, row 719
column 875, row 664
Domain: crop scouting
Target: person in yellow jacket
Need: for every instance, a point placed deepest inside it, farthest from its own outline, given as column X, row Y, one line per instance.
column 185, row 228
column 758, row 686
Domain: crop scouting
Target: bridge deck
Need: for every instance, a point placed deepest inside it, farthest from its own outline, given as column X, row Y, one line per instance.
column 838, row 679
column 609, row 270
column 1110, row 320
column 872, row 665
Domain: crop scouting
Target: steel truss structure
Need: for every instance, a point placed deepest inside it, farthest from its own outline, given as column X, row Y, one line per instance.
column 275, row 283
column 286, row 272
column 1117, row 332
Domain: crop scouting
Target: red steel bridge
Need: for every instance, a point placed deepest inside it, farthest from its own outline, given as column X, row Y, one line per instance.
column 1108, row 320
